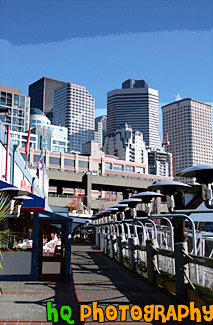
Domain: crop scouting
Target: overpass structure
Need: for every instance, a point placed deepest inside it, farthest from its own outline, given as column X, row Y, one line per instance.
column 88, row 182
column 92, row 172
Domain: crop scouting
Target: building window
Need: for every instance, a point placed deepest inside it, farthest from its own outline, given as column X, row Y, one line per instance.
column 36, row 158
column 54, row 161
column 83, row 164
column 108, row 166
column 69, row 162
column 140, row 170
column 118, row 167
column 129, row 169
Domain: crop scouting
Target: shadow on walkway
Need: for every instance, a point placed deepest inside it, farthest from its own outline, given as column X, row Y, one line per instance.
column 96, row 277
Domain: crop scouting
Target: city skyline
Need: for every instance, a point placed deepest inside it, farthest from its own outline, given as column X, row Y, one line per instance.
column 166, row 43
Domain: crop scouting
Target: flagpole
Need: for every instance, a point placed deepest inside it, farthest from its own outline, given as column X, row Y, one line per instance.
column 42, row 162
column 27, row 146
column 7, row 152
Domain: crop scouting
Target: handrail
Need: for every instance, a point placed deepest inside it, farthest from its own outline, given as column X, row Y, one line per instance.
column 146, row 219
column 173, row 215
column 171, row 230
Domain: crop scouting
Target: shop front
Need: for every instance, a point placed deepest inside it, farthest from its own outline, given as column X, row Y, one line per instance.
column 36, row 245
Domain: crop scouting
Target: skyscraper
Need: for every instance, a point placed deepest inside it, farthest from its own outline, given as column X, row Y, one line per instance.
column 74, row 108
column 42, row 94
column 126, row 144
column 14, row 108
column 189, row 127
column 159, row 162
column 137, row 105
column 100, row 130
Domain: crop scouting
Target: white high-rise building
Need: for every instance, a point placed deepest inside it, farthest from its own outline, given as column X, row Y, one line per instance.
column 126, row 144
column 159, row 162
column 100, row 129
column 189, row 127
column 74, row 107
column 137, row 105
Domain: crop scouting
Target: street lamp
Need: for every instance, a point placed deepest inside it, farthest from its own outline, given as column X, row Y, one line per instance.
column 14, row 195
column 147, row 197
column 204, row 176
column 132, row 204
column 110, row 211
column 121, row 207
column 20, row 200
column 170, row 188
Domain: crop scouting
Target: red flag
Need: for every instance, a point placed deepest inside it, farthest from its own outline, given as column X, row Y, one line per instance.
column 27, row 143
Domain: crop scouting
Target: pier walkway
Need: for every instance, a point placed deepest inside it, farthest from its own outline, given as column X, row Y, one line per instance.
column 95, row 277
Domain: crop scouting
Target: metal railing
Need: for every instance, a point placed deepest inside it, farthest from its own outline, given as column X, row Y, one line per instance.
column 141, row 245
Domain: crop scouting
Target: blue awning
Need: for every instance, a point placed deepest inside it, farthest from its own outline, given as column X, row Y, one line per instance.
column 37, row 204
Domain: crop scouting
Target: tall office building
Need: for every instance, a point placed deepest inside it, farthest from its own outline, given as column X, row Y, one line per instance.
column 137, row 105
column 189, row 127
column 42, row 94
column 14, row 109
column 100, row 130
column 74, row 108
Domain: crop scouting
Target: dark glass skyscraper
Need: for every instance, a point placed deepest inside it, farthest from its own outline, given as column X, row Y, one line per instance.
column 137, row 105
column 42, row 94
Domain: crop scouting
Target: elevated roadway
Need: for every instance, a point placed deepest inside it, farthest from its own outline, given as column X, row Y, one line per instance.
column 88, row 182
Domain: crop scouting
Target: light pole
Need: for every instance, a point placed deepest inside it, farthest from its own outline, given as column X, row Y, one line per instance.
column 204, row 176
column 170, row 188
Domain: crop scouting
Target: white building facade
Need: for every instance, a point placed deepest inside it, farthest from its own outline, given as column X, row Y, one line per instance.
column 189, row 126
column 50, row 137
column 20, row 139
column 74, row 108
column 137, row 105
column 126, row 144
column 44, row 135
column 159, row 162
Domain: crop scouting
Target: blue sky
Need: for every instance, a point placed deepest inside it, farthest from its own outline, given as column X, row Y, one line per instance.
column 99, row 44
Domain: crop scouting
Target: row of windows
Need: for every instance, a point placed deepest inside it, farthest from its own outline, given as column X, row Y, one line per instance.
column 119, row 167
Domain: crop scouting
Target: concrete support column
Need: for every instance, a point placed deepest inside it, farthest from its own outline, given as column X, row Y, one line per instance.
column 132, row 264
column 125, row 194
column 182, row 271
column 151, row 259
column 59, row 189
column 88, row 191
column 120, row 249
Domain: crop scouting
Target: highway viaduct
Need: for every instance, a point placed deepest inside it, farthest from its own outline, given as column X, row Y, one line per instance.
column 67, row 179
